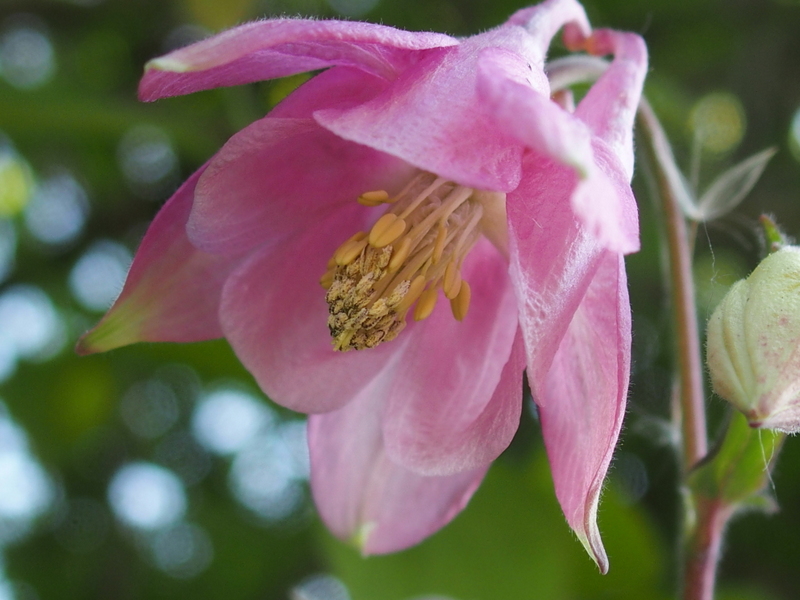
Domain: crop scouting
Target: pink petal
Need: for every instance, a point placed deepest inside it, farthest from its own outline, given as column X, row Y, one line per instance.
column 281, row 47
column 432, row 116
column 605, row 204
column 274, row 315
column 609, row 108
column 552, row 259
column 602, row 198
column 528, row 114
column 544, row 20
column 362, row 495
column 277, row 176
column 173, row 289
column 337, row 87
column 456, row 401
column 583, row 400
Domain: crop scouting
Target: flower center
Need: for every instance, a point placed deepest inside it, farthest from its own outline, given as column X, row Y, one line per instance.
column 414, row 250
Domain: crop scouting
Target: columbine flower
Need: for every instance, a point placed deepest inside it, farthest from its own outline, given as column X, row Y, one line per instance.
column 463, row 226
column 754, row 343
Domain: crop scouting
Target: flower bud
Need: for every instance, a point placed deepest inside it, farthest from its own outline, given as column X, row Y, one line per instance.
column 753, row 348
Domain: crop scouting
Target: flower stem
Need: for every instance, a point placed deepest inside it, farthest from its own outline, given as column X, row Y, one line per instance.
column 670, row 185
column 702, row 549
column 705, row 518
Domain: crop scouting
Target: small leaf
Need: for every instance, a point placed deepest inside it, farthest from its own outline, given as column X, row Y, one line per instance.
column 763, row 503
column 686, row 199
column 739, row 470
column 775, row 237
column 730, row 188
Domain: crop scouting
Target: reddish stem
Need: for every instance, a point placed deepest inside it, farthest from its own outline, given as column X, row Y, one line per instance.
column 692, row 395
column 705, row 519
column 703, row 549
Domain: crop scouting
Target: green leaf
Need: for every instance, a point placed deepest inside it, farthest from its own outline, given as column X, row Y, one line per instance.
column 739, row 470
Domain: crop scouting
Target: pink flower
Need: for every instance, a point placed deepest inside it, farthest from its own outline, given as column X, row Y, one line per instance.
column 473, row 187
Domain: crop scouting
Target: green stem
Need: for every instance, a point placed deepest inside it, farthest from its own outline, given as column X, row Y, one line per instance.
column 692, row 396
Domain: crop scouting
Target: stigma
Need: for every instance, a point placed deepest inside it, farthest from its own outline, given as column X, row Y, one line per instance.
column 412, row 255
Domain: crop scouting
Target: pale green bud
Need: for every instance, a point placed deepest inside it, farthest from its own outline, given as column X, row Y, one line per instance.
column 753, row 349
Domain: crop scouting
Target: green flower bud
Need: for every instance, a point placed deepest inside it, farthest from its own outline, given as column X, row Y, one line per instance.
column 753, row 348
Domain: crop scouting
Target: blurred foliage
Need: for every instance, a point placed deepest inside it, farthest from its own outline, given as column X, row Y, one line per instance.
column 509, row 542
column 73, row 129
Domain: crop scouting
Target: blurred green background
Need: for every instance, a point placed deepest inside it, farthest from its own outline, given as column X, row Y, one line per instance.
column 160, row 471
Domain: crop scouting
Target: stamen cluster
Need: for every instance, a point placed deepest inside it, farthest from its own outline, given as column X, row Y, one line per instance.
column 415, row 249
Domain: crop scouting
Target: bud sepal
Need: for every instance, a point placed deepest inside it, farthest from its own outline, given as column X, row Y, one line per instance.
column 753, row 343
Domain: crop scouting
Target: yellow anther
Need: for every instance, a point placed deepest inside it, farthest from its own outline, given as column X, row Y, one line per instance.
column 349, row 251
column 347, row 245
column 400, row 255
column 452, row 280
column 374, row 198
column 386, row 230
column 426, row 304
column 326, row 280
column 460, row 304
column 379, row 279
column 415, row 289
column 438, row 247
